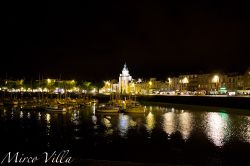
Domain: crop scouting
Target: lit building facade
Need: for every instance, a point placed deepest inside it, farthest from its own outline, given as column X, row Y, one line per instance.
column 124, row 80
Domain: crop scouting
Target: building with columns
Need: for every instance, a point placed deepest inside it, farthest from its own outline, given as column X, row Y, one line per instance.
column 124, row 80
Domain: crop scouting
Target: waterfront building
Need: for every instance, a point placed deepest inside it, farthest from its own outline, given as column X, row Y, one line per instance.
column 246, row 82
column 124, row 80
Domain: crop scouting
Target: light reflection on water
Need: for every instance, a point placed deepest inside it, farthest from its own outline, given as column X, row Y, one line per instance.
column 181, row 122
column 123, row 125
column 185, row 124
column 169, row 125
column 245, row 129
column 218, row 127
column 150, row 122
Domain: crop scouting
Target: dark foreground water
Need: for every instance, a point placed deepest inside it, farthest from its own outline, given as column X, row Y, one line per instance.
column 165, row 134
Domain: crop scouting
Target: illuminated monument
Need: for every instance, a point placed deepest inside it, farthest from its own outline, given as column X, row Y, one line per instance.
column 124, row 80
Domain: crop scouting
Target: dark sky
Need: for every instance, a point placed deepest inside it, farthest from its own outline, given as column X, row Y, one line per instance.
column 92, row 40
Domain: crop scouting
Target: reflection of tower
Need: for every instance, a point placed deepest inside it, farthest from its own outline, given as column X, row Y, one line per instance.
column 124, row 80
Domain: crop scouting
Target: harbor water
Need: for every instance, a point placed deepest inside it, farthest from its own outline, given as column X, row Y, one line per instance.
column 173, row 134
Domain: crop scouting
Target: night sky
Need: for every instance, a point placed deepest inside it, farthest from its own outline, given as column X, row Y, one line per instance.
column 92, row 40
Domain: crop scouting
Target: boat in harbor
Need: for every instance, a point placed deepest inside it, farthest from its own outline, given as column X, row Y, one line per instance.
column 108, row 108
column 28, row 107
column 55, row 108
column 135, row 109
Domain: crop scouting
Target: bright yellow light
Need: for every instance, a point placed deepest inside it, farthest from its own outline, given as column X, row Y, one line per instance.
column 185, row 124
column 169, row 80
column 107, row 82
column 150, row 122
column 48, row 117
column 133, row 84
column 169, row 123
column 185, row 80
column 150, row 83
column 49, row 81
column 72, row 81
column 215, row 79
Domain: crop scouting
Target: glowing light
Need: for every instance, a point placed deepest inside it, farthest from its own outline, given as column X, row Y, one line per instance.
column 75, row 117
column 48, row 126
column 21, row 114
column 94, row 119
column 150, row 83
column 185, row 80
column 45, row 90
column 123, row 124
column 48, row 117
column 106, row 122
column 185, row 124
column 169, row 123
column 169, row 80
column 150, row 122
column 28, row 115
column 48, row 81
column 107, row 83
column 215, row 79
column 216, row 127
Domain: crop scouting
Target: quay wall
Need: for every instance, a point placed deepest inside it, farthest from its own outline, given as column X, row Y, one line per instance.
column 215, row 101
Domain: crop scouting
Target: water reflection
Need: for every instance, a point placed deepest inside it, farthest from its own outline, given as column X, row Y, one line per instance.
column 185, row 120
column 217, row 127
column 150, row 122
column 75, row 118
column 245, row 129
column 169, row 123
column 48, row 126
column 39, row 115
column 178, row 121
column 106, row 122
column 123, row 124
column 28, row 115
column 94, row 119
column 21, row 115
column 248, row 129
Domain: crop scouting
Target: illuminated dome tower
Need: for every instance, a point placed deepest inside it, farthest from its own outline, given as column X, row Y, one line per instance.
column 124, row 80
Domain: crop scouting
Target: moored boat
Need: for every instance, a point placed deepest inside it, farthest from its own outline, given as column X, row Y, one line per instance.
column 108, row 109
column 55, row 108
column 135, row 109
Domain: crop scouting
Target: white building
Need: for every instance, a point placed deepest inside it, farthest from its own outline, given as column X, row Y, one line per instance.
column 124, row 80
